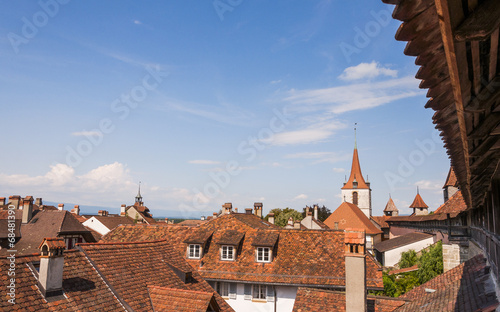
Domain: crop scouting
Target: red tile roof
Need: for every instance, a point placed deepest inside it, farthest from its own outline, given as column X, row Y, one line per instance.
column 401, row 241
column 82, row 285
column 451, row 179
column 300, row 257
column 169, row 299
column 356, row 174
column 467, row 287
column 390, row 206
column 418, row 202
column 454, row 205
column 405, row 270
column 348, row 215
column 314, row 300
column 381, row 221
column 131, row 267
column 113, row 221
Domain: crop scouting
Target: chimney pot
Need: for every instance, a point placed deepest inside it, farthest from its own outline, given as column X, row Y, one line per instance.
column 296, row 225
column 27, row 210
column 290, row 221
column 315, row 212
column 270, row 218
column 258, row 209
column 123, row 210
column 355, row 270
column 248, row 210
column 60, row 206
column 51, row 266
column 2, row 200
column 39, row 201
column 215, row 215
column 14, row 200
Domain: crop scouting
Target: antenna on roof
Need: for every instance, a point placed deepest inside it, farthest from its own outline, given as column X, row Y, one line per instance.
column 355, row 140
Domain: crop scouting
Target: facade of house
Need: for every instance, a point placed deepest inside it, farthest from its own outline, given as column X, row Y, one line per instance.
column 388, row 252
column 253, row 264
column 105, row 223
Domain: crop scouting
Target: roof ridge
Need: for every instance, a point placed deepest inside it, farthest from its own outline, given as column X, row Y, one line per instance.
column 123, row 243
column 185, row 290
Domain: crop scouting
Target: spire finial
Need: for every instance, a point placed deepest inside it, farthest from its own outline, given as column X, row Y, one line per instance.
column 138, row 198
column 390, row 196
column 417, row 190
column 355, row 140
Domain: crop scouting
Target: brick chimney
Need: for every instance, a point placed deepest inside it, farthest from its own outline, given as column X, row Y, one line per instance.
column 27, row 209
column 123, row 210
column 50, row 277
column 355, row 270
column 60, row 207
column 227, row 208
column 257, row 207
column 2, row 201
column 38, row 201
column 76, row 210
column 315, row 212
column 270, row 218
column 14, row 200
column 248, row 210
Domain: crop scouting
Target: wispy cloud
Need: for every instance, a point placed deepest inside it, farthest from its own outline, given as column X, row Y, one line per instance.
column 317, row 132
column 367, row 70
column 301, row 196
column 434, row 186
column 339, row 170
column 319, row 157
column 137, row 22
column 86, row 133
column 204, row 162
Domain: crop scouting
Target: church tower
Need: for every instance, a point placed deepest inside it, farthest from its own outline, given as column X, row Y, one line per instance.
column 356, row 191
column 138, row 197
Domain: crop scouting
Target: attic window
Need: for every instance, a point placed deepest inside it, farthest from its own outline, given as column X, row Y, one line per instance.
column 263, row 254
column 194, row 251
column 227, row 253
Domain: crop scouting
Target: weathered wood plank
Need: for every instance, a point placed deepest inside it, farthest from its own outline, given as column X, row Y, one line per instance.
column 424, row 42
column 480, row 23
column 406, row 10
column 422, row 23
column 486, row 97
column 493, row 55
column 485, row 127
column 476, row 67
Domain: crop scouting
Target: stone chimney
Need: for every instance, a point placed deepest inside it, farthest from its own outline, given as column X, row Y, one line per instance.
column 248, row 210
column 50, row 277
column 355, row 270
column 270, row 218
column 60, row 207
column 290, row 222
column 227, row 208
column 214, row 215
column 296, row 225
column 2, row 201
column 315, row 212
column 14, row 200
column 38, row 201
column 236, row 210
column 76, row 210
column 102, row 213
column 123, row 210
column 258, row 209
column 27, row 209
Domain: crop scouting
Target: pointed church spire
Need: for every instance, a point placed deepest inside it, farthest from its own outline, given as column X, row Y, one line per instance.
column 356, row 178
column 138, row 197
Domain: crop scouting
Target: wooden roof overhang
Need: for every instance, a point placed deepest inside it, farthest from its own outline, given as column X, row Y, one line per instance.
column 456, row 45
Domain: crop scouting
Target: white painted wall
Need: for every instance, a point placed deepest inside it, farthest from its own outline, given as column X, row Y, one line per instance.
column 364, row 199
column 285, row 299
column 96, row 225
column 391, row 257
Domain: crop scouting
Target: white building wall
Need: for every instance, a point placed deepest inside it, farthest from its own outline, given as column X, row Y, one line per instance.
column 285, row 299
column 96, row 225
column 364, row 199
column 391, row 257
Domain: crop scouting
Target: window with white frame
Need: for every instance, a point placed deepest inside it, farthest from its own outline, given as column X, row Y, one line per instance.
column 194, row 251
column 259, row 292
column 263, row 254
column 227, row 253
column 222, row 288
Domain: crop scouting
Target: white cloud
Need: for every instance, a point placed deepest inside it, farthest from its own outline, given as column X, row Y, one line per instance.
column 204, row 162
column 367, row 70
column 320, row 157
column 318, row 132
column 137, row 22
column 435, row 186
column 301, row 196
column 86, row 133
column 275, row 81
column 339, row 170
column 338, row 100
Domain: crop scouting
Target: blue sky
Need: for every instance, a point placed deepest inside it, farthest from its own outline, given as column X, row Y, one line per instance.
column 208, row 102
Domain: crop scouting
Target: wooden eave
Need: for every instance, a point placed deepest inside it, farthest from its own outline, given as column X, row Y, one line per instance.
column 457, row 49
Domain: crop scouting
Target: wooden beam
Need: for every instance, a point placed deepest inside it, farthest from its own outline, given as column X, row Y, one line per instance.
column 476, row 67
column 447, row 23
column 485, row 128
column 481, row 23
column 493, row 55
column 486, row 97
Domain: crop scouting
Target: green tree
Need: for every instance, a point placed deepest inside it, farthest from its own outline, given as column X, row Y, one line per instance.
column 282, row 219
column 408, row 259
column 430, row 263
column 276, row 211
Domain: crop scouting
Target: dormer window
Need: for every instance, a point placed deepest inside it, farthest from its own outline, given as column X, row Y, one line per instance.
column 227, row 253
column 263, row 254
column 194, row 251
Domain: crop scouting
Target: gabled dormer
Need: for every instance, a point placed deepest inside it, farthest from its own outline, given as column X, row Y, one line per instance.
column 229, row 243
column 264, row 243
column 196, row 243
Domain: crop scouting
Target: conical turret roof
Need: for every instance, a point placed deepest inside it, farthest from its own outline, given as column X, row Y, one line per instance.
column 451, row 179
column 390, row 207
column 356, row 175
column 418, row 202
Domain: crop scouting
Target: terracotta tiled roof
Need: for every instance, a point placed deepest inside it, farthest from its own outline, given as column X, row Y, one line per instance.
column 405, row 270
column 454, row 205
column 401, row 241
column 230, row 237
column 4, row 223
column 356, row 174
column 348, row 215
column 200, row 236
column 313, row 300
column 390, row 206
column 168, row 299
column 47, row 223
column 418, row 202
column 467, row 287
column 381, row 221
column 265, row 239
column 191, row 222
column 113, row 221
column 451, row 179
column 131, row 267
column 300, row 257
column 84, row 288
